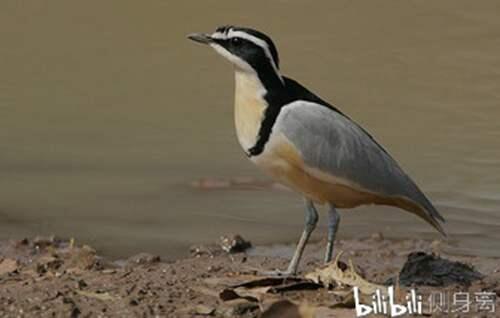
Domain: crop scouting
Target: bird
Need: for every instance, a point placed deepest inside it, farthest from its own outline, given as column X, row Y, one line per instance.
column 306, row 143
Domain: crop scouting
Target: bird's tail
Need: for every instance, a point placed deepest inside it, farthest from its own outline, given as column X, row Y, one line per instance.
column 435, row 217
column 421, row 206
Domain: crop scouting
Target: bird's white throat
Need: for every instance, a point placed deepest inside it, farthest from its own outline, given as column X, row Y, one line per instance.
column 249, row 105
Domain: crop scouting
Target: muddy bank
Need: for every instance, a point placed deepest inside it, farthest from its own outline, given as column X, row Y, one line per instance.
column 50, row 277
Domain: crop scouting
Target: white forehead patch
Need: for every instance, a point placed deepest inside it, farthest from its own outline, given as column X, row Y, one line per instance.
column 243, row 35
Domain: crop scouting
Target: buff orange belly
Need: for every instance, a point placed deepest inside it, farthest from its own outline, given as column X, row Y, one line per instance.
column 284, row 163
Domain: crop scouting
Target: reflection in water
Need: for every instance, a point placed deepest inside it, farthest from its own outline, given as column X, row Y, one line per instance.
column 107, row 115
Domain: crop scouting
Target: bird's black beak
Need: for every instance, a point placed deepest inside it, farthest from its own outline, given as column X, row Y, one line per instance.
column 200, row 38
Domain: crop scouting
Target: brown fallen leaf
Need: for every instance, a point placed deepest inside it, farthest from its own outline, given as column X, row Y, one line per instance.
column 233, row 281
column 203, row 310
column 254, row 289
column 251, row 294
column 291, row 286
column 332, row 274
column 257, row 281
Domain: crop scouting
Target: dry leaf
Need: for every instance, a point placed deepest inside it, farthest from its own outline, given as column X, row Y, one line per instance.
column 332, row 274
column 203, row 310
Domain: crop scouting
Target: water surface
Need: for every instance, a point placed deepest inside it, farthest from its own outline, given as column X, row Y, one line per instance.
column 107, row 113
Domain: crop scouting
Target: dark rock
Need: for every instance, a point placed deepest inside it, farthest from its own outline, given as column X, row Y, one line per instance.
column 133, row 302
column 42, row 242
column 75, row 312
column 234, row 244
column 431, row 270
column 81, row 284
column 48, row 264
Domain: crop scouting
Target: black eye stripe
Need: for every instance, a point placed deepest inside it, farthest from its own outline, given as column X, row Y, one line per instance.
column 225, row 30
column 234, row 40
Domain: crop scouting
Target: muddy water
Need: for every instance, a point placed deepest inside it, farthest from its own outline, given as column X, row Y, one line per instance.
column 107, row 113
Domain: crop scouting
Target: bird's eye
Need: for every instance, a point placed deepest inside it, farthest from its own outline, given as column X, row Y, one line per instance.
column 235, row 41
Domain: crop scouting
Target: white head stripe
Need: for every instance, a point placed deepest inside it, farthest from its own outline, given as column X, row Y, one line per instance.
column 241, row 34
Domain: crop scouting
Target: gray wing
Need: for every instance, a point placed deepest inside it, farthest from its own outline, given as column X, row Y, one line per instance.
column 333, row 143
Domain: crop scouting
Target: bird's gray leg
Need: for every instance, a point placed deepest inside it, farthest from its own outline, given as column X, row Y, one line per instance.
column 311, row 221
column 333, row 224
